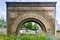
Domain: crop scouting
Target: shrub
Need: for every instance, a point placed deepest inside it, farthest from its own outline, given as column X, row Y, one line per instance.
column 58, row 30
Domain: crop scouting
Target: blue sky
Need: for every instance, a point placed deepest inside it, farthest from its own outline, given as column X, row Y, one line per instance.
column 3, row 6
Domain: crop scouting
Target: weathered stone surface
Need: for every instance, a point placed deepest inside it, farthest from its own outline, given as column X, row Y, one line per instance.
column 44, row 15
column 31, row 8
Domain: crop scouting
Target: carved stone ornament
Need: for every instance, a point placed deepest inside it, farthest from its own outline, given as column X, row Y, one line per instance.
column 12, row 15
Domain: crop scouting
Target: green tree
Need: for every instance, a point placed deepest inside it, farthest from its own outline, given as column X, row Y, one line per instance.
column 2, row 23
column 29, row 25
column 35, row 26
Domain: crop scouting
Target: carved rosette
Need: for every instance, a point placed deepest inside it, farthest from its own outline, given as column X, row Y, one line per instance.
column 13, row 15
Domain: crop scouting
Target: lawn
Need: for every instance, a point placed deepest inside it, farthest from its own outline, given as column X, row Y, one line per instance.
column 41, row 36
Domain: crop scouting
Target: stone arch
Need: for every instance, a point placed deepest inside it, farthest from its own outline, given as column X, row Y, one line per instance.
column 30, row 20
column 30, row 15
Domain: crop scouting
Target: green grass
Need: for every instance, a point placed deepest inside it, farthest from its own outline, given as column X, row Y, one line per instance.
column 41, row 36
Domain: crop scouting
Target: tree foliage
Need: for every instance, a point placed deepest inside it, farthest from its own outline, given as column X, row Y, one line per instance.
column 2, row 23
column 29, row 25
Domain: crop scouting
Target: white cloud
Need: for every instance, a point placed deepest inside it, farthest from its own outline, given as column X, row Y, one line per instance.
column 3, row 14
column 58, row 22
column 11, row 0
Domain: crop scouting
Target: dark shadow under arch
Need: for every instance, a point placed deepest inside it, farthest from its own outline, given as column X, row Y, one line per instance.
column 30, row 20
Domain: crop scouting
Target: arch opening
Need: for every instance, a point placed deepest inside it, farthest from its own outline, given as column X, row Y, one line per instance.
column 32, row 20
